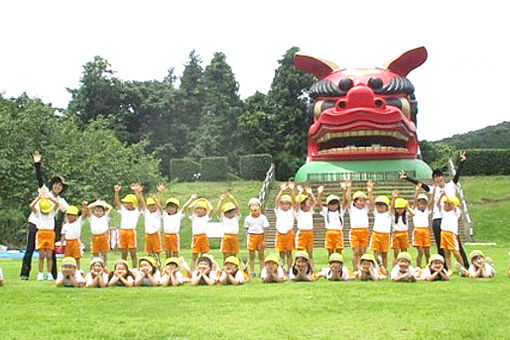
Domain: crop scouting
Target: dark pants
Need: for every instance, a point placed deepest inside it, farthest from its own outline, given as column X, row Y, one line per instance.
column 436, row 228
column 27, row 258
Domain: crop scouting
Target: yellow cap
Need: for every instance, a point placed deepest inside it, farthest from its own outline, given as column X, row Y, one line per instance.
column 174, row 260
column 72, row 210
column 124, row 262
column 331, row 198
column 96, row 260
column 45, row 205
column 336, row 257
column 150, row 201
column 233, row 260
column 368, row 257
column 69, row 260
column 475, row 253
column 129, row 198
column 423, row 197
column 359, row 194
column 400, row 203
column 272, row 258
column 382, row 199
column 285, row 198
column 404, row 255
column 173, row 200
column 436, row 257
column 303, row 254
column 301, row 198
column 149, row 259
column 201, row 204
column 228, row 206
column 454, row 199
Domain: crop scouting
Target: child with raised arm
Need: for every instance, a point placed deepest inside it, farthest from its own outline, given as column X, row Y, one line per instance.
column 200, row 214
column 421, row 232
column 400, row 238
column 44, row 207
column 151, row 211
column 69, row 276
column 380, row 239
column 129, row 209
column 272, row 272
column 97, row 277
column 255, row 224
column 285, row 217
column 229, row 216
column 71, row 232
column 304, row 206
column 333, row 214
column 99, row 214
column 450, row 229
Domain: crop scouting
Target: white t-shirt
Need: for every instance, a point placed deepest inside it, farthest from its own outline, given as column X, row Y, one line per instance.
column 172, row 223
column 1, row 274
column 199, row 224
column 328, row 273
column 145, row 282
column 333, row 219
column 395, row 272
column 284, row 220
column 382, row 221
column 89, row 278
column 238, row 276
column 421, row 218
column 358, row 217
column 304, row 219
column 488, row 269
column 280, row 273
column 62, row 206
column 450, row 221
column 67, row 282
column 152, row 221
column 230, row 225
column 72, row 231
column 256, row 225
column 178, row 277
column 211, row 275
column 128, row 218
column 292, row 276
column 45, row 221
column 450, row 189
column 99, row 225
column 400, row 225
column 427, row 273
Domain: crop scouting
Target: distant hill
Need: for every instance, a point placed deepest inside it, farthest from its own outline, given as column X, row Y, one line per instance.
column 491, row 137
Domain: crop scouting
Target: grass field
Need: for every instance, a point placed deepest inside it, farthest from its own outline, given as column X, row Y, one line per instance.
column 461, row 308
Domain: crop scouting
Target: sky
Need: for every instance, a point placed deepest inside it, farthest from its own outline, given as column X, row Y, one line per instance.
column 460, row 87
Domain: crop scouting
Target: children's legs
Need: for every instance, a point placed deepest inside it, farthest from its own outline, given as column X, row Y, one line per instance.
column 123, row 252
column 132, row 252
column 49, row 259
column 312, row 262
column 419, row 256
column 261, row 259
column 42, row 256
column 289, row 259
column 447, row 258
column 427, row 254
column 355, row 258
column 78, row 264
column 194, row 257
column 384, row 256
column 175, row 254
column 395, row 254
column 103, row 254
column 282, row 257
column 458, row 257
column 330, row 251
column 252, row 261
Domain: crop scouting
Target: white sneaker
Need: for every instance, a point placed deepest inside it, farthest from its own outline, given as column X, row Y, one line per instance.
column 49, row 277
column 40, row 276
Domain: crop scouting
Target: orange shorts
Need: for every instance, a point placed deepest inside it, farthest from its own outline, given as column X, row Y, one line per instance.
column 304, row 239
column 230, row 244
column 73, row 249
column 200, row 244
column 358, row 237
column 100, row 244
column 45, row 239
column 421, row 237
column 152, row 243
column 172, row 243
column 380, row 242
column 285, row 242
column 334, row 239
column 400, row 240
column 127, row 239
column 449, row 241
column 255, row 242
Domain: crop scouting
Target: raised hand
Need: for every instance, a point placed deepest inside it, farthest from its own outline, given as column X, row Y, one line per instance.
column 395, row 193
column 160, row 187
column 36, row 156
column 308, row 190
column 402, row 174
column 117, row 188
column 418, row 186
column 291, row 185
column 463, row 156
column 320, row 189
column 370, row 185
column 300, row 188
column 194, row 196
column 135, row 186
column 283, row 186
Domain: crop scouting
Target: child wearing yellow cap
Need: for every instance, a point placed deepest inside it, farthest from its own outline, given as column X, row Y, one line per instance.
column 336, row 271
column 403, row 271
column 200, row 214
column 45, row 207
column 171, row 274
column 205, row 273
column 381, row 233
column 480, row 266
column 71, row 232
column 231, row 274
column 121, row 276
column 148, row 274
column 304, row 206
column 255, row 224
column 435, row 270
column 368, row 269
column 301, row 269
column 97, row 277
column 272, row 272
column 333, row 213
column 99, row 215
column 229, row 216
column 401, row 211
column 152, row 213
column 129, row 210
column 285, row 217
column 69, row 276
column 421, row 233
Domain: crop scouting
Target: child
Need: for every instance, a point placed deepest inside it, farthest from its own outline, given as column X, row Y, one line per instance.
column 45, row 207
column 336, row 270
column 204, row 274
column 229, row 215
column 421, row 232
column 151, row 211
column 255, row 224
column 479, row 267
column 1, row 276
column 380, row 239
column 148, row 275
column 333, row 214
column 231, row 273
column 171, row 274
column 403, row 271
column 450, row 229
column 358, row 214
column 129, row 213
column 285, row 216
column 435, row 270
column 97, row 277
column 272, row 272
column 99, row 214
column 368, row 270
column 400, row 238
column 69, row 276
column 302, row 269
column 200, row 214
column 121, row 275
column 71, row 232
column 304, row 206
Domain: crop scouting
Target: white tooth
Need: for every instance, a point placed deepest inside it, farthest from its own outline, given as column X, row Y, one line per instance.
column 370, row 133
column 354, row 133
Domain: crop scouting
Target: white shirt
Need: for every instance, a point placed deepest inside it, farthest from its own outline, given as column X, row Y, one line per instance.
column 304, row 219
column 450, row 189
column 382, row 221
column 400, row 225
column 395, row 272
column 427, row 273
column 89, row 279
column 45, row 221
column 292, row 276
column 152, row 221
column 128, row 218
column 62, row 206
column 72, row 231
column 333, row 219
column 67, row 282
column 211, row 275
column 99, row 225
column 172, row 223
column 358, row 217
column 256, row 225
column 488, row 269
column 421, row 218
column 230, row 225
column 145, row 282
column 178, row 277
column 328, row 273
column 279, row 273
column 238, row 276
column 450, row 221
column 199, row 224
column 284, row 220
column 1, row 274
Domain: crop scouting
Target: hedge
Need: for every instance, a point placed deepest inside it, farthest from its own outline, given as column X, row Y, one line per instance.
column 254, row 166
column 184, row 169
column 487, row 162
column 214, row 168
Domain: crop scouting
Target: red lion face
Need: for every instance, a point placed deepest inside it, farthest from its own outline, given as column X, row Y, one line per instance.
column 363, row 113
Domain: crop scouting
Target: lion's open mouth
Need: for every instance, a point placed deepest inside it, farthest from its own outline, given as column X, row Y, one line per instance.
column 363, row 141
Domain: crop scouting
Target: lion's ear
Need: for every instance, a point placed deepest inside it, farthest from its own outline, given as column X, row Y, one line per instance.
column 408, row 61
column 318, row 67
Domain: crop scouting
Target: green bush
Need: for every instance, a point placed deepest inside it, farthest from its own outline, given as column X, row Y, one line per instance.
column 184, row 169
column 214, row 168
column 254, row 166
column 487, row 162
